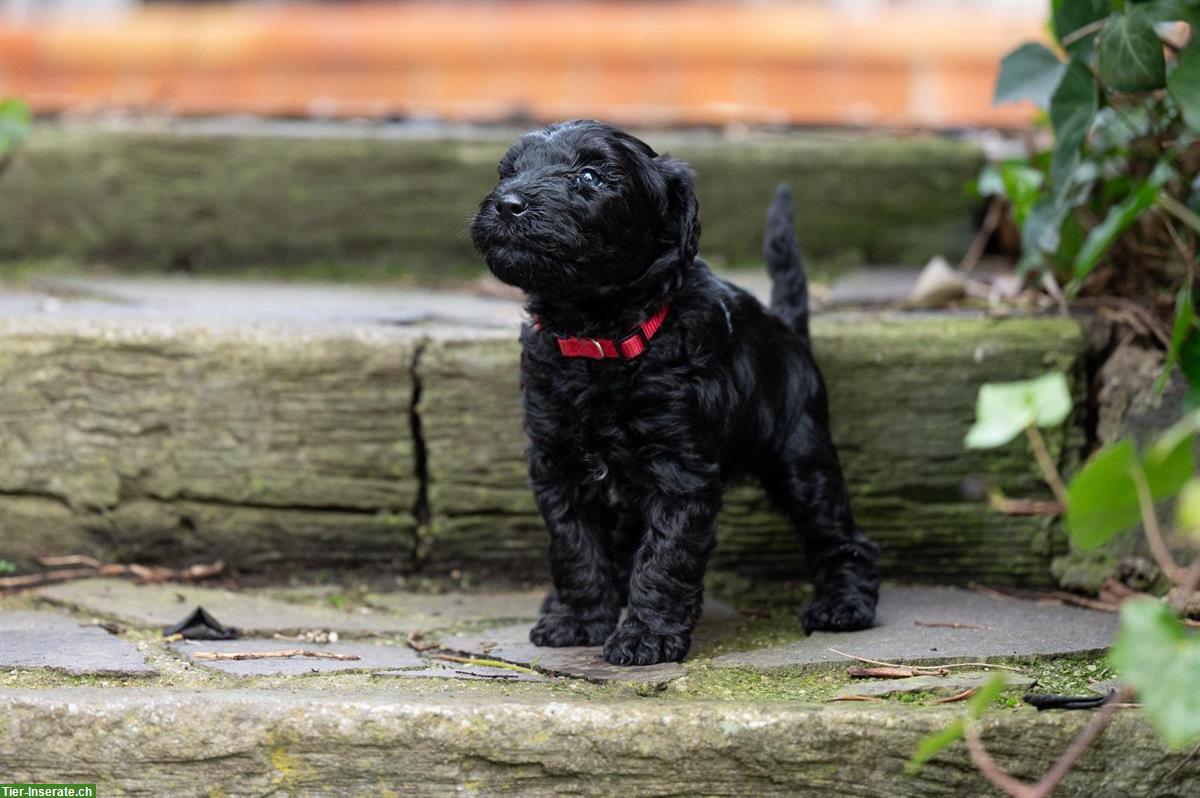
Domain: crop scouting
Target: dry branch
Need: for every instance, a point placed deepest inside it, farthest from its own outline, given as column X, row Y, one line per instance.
column 284, row 654
column 93, row 569
column 856, row 672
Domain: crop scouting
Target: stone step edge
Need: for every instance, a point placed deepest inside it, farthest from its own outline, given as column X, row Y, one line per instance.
column 222, row 741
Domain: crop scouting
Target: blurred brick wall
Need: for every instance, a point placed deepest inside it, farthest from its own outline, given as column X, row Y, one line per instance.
column 921, row 65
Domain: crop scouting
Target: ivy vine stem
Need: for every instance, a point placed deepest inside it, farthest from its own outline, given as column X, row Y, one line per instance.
column 1019, row 789
column 1046, row 462
column 1180, row 211
column 1154, row 536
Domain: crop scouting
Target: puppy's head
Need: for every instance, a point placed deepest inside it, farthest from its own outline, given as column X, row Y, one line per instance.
column 583, row 210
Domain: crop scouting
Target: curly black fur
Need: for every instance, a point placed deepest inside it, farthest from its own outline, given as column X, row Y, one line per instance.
column 628, row 458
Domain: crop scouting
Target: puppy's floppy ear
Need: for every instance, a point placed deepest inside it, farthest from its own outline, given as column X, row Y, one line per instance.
column 683, row 208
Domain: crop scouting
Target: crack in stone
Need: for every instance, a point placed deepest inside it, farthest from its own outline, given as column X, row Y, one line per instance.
column 420, row 510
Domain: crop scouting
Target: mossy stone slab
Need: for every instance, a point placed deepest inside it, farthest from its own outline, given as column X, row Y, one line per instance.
column 248, row 611
column 169, row 441
column 917, row 625
column 528, row 742
column 47, row 640
column 369, row 656
column 369, row 207
column 902, row 395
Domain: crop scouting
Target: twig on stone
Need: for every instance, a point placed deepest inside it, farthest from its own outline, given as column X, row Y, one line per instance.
column 288, row 653
column 851, row 698
column 1041, row 596
column 1003, row 504
column 69, row 559
column 26, row 581
column 486, row 663
column 502, row 676
column 926, row 670
column 952, row 625
column 413, row 639
column 857, row 672
column 963, row 696
column 1062, row 597
column 142, row 573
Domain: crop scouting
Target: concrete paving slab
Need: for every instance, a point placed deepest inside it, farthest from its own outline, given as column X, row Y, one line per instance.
column 464, row 671
column 988, row 627
column 184, row 299
column 511, row 644
column 370, row 656
column 940, row 685
column 445, row 608
column 876, row 286
column 46, row 640
column 161, row 605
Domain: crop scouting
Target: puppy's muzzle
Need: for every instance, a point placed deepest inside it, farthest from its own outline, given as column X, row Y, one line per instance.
column 510, row 205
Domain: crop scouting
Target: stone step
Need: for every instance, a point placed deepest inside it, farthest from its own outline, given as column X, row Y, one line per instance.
column 146, row 741
column 92, row 691
column 354, row 202
column 290, row 426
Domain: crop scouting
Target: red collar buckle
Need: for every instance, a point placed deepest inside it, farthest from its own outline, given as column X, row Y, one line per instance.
column 627, row 348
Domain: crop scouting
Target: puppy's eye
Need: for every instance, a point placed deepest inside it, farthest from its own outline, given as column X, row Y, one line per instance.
column 588, row 177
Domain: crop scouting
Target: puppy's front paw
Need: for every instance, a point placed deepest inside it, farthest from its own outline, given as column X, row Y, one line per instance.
column 634, row 644
column 839, row 612
column 558, row 629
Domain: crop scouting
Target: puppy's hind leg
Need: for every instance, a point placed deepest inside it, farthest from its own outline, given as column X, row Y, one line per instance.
column 806, row 482
column 622, row 546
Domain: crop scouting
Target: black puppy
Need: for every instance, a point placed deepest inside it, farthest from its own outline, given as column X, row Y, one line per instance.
column 648, row 383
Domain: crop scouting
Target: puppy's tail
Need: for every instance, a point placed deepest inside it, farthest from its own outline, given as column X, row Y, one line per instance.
column 789, row 285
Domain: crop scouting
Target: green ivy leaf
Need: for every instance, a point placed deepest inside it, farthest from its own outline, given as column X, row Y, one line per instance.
column 1071, row 239
column 1184, row 84
column 1003, row 410
column 1069, row 16
column 1030, row 72
column 1129, row 54
column 1161, row 661
column 988, row 693
column 14, row 123
column 1187, row 510
column 1041, row 233
column 1168, row 10
column 1072, row 109
column 1189, row 364
column 1102, row 497
column 1118, row 220
column 933, row 744
column 1182, row 330
column 1171, row 461
column 1017, row 182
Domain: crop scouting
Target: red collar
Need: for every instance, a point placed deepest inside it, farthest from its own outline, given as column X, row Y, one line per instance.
column 628, row 347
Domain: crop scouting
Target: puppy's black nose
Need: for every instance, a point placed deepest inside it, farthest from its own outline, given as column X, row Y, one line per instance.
column 510, row 205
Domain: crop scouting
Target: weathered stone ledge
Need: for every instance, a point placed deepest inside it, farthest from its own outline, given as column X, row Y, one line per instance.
column 158, row 201
column 351, row 443
column 148, row 741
